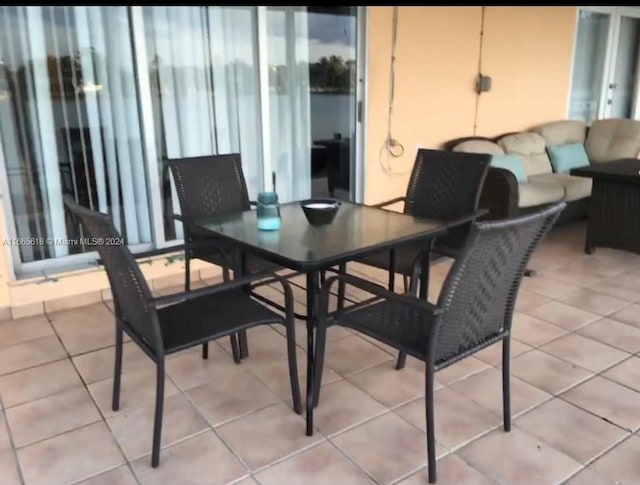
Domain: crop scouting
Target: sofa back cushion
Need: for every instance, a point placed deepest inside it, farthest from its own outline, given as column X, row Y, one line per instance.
column 512, row 162
column 565, row 157
column 531, row 147
column 479, row 146
column 612, row 139
column 562, row 132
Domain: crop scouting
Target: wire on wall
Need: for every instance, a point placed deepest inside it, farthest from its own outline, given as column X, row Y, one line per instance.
column 478, row 92
column 391, row 148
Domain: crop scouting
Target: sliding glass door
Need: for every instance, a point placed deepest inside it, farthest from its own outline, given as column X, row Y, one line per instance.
column 95, row 100
column 334, row 99
column 605, row 79
column 623, row 94
column 312, row 84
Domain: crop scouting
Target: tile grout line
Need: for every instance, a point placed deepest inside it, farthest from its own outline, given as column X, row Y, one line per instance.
column 95, row 403
column 219, row 436
column 351, row 460
column 589, row 464
column 12, row 444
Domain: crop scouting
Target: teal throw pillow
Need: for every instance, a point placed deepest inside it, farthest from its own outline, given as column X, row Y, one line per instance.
column 565, row 157
column 512, row 162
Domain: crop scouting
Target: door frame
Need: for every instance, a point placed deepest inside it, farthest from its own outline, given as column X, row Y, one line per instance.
column 358, row 166
column 615, row 14
column 632, row 12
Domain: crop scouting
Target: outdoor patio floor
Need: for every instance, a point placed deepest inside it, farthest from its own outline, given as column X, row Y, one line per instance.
column 575, row 397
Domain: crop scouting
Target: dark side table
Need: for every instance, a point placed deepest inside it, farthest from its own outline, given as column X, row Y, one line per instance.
column 614, row 206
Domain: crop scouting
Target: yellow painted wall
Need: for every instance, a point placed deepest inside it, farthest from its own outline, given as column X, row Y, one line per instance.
column 436, row 60
column 526, row 50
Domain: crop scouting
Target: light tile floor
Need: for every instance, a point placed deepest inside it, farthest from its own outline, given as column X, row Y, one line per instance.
column 575, row 397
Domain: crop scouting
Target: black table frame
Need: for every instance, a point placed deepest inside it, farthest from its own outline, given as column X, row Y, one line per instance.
column 313, row 271
column 614, row 205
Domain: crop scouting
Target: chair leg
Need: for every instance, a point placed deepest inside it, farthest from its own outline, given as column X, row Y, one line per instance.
column 187, row 272
column 321, row 339
column 187, row 287
column 506, row 385
column 157, row 421
column 115, row 405
column 431, row 434
column 342, row 269
column 235, row 349
column 293, row 368
column 402, row 356
column 244, row 344
column 233, row 338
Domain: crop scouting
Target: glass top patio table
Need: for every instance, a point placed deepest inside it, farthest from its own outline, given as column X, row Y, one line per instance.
column 356, row 230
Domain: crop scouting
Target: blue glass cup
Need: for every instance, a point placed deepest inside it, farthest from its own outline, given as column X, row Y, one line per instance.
column 268, row 211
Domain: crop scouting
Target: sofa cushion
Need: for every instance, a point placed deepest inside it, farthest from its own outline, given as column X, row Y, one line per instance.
column 479, row 146
column 562, row 132
column 575, row 188
column 532, row 147
column 613, row 139
column 536, row 192
column 511, row 162
column 565, row 157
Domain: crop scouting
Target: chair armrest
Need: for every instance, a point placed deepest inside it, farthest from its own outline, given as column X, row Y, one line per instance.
column 155, row 252
column 263, row 278
column 151, row 253
column 475, row 215
column 181, row 218
column 500, row 194
column 389, row 202
column 377, row 290
column 209, row 245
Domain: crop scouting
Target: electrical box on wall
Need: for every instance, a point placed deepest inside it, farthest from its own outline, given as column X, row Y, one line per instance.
column 483, row 83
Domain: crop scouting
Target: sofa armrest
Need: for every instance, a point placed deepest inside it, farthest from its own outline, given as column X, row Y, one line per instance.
column 499, row 194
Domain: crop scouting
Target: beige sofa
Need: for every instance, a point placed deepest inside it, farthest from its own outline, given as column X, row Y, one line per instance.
column 504, row 196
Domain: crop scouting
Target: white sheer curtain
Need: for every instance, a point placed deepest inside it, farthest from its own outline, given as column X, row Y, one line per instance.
column 205, row 87
column 289, row 103
column 69, row 121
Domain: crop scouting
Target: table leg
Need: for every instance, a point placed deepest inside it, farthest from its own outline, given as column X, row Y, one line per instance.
column 243, row 342
column 312, row 293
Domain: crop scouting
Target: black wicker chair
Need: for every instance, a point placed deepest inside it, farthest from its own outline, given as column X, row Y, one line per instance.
column 206, row 186
column 474, row 310
column 162, row 326
column 444, row 185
